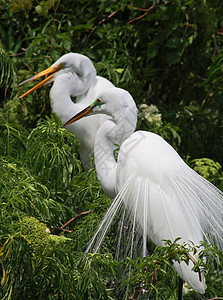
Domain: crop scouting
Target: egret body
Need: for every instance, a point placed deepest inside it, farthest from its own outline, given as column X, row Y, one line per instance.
column 165, row 198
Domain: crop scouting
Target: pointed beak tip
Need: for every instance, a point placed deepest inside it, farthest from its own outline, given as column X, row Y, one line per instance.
column 79, row 116
column 20, row 84
column 67, row 123
column 50, row 70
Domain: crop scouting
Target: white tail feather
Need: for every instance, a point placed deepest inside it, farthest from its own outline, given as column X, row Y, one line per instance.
column 190, row 208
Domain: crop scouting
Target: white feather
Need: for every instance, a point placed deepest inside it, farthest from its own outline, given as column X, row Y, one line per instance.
column 166, row 200
column 152, row 186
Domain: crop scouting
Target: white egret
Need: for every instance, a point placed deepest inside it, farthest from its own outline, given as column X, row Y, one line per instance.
column 74, row 75
column 165, row 198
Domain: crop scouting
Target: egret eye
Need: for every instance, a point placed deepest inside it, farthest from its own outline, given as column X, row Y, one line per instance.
column 96, row 102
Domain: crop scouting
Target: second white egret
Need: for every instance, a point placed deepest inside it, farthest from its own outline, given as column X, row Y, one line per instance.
column 74, row 74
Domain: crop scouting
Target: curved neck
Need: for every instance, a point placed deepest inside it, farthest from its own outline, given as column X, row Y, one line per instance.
column 108, row 136
column 61, row 102
column 104, row 158
column 82, row 77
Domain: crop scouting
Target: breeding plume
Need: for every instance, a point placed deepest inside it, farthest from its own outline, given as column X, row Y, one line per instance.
column 74, row 75
column 164, row 197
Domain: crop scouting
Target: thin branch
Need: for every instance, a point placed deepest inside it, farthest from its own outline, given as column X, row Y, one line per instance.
column 102, row 21
column 62, row 228
column 143, row 9
column 194, row 262
column 146, row 12
column 19, row 54
column 75, row 218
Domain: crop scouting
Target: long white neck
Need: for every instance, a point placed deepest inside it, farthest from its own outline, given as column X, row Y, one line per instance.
column 104, row 159
column 110, row 134
column 61, row 102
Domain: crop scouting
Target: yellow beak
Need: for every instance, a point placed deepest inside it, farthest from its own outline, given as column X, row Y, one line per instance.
column 80, row 115
column 50, row 70
column 86, row 111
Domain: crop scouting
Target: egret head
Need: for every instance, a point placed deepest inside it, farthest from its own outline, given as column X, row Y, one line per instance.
column 71, row 62
column 114, row 102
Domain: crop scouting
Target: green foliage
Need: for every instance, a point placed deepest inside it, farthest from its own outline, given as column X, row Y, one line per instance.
column 12, row 139
column 7, row 74
column 94, row 273
column 21, row 194
column 7, row 71
column 151, row 118
column 154, row 276
column 214, row 80
column 37, row 235
column 51, row 153
column 168, row 55
column 209, row 169
column 62, row 273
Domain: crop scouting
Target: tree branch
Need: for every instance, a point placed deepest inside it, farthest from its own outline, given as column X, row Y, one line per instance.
column 62, row 228
column 75, row 218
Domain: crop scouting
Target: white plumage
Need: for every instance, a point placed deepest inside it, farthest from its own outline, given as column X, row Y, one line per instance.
column 163, row 196
column 74, row 75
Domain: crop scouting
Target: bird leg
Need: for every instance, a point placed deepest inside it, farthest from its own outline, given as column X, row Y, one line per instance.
column 180, row 288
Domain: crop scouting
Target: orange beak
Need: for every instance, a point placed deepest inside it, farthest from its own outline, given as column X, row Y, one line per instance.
column 86, row 111
column 80, row 115
column 50, row 70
